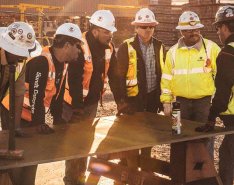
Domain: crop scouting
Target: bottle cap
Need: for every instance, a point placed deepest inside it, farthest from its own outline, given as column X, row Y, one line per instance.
column 176, row 105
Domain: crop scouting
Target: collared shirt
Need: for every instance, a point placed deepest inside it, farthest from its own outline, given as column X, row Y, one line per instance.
column 196, row 46
column 149, row 59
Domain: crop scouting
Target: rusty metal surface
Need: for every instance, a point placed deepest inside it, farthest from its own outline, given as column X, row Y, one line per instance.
column 101, row 136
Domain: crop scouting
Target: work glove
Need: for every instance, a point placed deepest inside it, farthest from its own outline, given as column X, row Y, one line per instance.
column 209, row 126
column 124, row 108
column 44, row 129
column 167, row 108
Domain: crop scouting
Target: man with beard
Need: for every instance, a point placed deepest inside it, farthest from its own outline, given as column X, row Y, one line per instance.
column 188, row 74
column 87, row 81
column 223, row 102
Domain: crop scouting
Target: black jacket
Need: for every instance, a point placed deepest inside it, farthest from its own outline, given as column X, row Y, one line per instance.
column 224, row 81
column 122, row 65
column 75, row 73
column 36, row 75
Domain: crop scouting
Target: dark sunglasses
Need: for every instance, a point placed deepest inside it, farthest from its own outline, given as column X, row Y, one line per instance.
column 145, row 27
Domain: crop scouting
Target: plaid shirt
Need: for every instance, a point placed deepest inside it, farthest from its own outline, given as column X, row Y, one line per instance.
column 149, row 59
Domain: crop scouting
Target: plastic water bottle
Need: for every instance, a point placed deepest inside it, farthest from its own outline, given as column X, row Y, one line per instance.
column 176, row 120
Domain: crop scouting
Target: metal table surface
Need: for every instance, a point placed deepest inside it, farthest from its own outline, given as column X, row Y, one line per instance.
column 100, row 136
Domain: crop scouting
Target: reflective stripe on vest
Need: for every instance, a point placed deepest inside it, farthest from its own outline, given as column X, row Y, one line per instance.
column 185, row 74
column 88, row 66
column 50, row 89
column 131, row 77
column 88, row 70
column 230, row 109
column 203, row 69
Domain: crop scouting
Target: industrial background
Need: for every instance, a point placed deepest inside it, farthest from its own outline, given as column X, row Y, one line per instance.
column 46, row 16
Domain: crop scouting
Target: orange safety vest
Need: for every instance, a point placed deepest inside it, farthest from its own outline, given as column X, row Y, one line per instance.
column 88, row 70
column 50, row 89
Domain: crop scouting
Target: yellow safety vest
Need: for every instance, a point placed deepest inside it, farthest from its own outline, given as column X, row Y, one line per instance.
column 131, row 77
column 186, row 73
column 230, row 109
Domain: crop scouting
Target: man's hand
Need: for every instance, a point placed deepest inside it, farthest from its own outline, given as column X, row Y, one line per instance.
column 124, row 108
column 209, row 126
column 44, row 129
column 167, row 108
column 79, row 111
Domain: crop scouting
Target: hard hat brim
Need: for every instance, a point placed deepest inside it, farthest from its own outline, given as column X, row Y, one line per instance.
column 20, row 51
column 216, row 22
column 188, row 27
column 134, row 23
column 64, row 29
column 111, row 28
column 2, row 30
column 222, row 21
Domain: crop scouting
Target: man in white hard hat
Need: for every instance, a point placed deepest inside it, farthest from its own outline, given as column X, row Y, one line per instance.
column 139, row 63
column 223, row 102
column 17, row 43
column 45, row 78
column 87, row 81
column 189, row 72
column 44, row 83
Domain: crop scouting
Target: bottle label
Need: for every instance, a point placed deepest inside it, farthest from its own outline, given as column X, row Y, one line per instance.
column 176, row 122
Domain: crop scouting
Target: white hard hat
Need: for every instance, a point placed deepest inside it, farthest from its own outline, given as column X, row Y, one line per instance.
column 103, row 19
column 69, row 29
column 189, row 21
column 145, row 17
column 19, row 39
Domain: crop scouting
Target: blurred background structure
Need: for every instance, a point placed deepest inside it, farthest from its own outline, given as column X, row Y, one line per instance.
column 46, row 16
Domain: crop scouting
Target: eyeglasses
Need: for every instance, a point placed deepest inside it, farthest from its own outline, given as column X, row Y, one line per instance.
column 145, row 27
column 190, row 31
